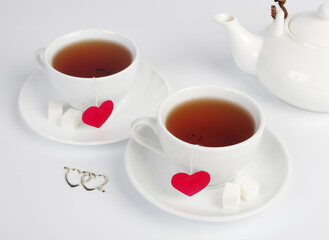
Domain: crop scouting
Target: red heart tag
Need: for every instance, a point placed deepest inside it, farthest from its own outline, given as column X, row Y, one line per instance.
column 190, row 184
column 96, row 116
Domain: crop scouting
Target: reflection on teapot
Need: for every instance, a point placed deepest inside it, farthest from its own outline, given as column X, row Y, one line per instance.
column 291, row 57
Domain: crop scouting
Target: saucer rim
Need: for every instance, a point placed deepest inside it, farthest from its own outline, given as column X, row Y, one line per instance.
column 226, row 218
column 72, row 142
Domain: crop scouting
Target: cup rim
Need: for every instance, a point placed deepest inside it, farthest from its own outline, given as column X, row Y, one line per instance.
column 134, row 61
column 256, row 134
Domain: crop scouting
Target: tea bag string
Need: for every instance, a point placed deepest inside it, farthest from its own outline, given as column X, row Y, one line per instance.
column 192, row 157
column 281, row 5
column 95, row 91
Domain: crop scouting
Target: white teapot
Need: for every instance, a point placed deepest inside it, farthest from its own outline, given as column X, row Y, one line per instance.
column 291, row 57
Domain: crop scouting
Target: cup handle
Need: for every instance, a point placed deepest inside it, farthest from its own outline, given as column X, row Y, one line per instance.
column 40, row 58
column 142, row 140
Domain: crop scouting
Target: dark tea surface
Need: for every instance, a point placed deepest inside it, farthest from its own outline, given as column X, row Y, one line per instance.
column 92, row 58
column 210, row 122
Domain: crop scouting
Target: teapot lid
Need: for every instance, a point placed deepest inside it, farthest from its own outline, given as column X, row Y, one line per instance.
column 312, row 27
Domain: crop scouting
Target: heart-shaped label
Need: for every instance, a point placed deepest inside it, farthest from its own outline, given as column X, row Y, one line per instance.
column 96, row 116
column 190, row 184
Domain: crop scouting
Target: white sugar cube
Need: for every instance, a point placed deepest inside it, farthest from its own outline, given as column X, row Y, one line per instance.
column 231, row 196
column 72, row 118
column 55, row 110
column 249, row 187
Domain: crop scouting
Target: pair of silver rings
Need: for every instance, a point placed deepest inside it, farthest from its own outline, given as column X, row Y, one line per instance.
column 86, row 179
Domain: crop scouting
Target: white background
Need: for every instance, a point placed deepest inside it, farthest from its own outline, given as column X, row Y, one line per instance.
column 181, row 40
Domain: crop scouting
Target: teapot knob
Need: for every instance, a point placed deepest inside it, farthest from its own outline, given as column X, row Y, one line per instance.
column 323, row 11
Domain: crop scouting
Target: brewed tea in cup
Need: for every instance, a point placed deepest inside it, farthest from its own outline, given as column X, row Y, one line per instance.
column 90, row 66
column 210, row 122
column 215, row 129
column 92, row 59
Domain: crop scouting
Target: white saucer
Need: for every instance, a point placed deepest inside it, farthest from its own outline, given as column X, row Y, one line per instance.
column 151, row 175
column 149, row 89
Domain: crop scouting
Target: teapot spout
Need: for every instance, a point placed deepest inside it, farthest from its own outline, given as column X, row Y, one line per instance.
column 245, row 46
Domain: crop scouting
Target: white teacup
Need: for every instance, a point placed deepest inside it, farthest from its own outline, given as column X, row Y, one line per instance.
column 221, row 163
column 82, row 93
